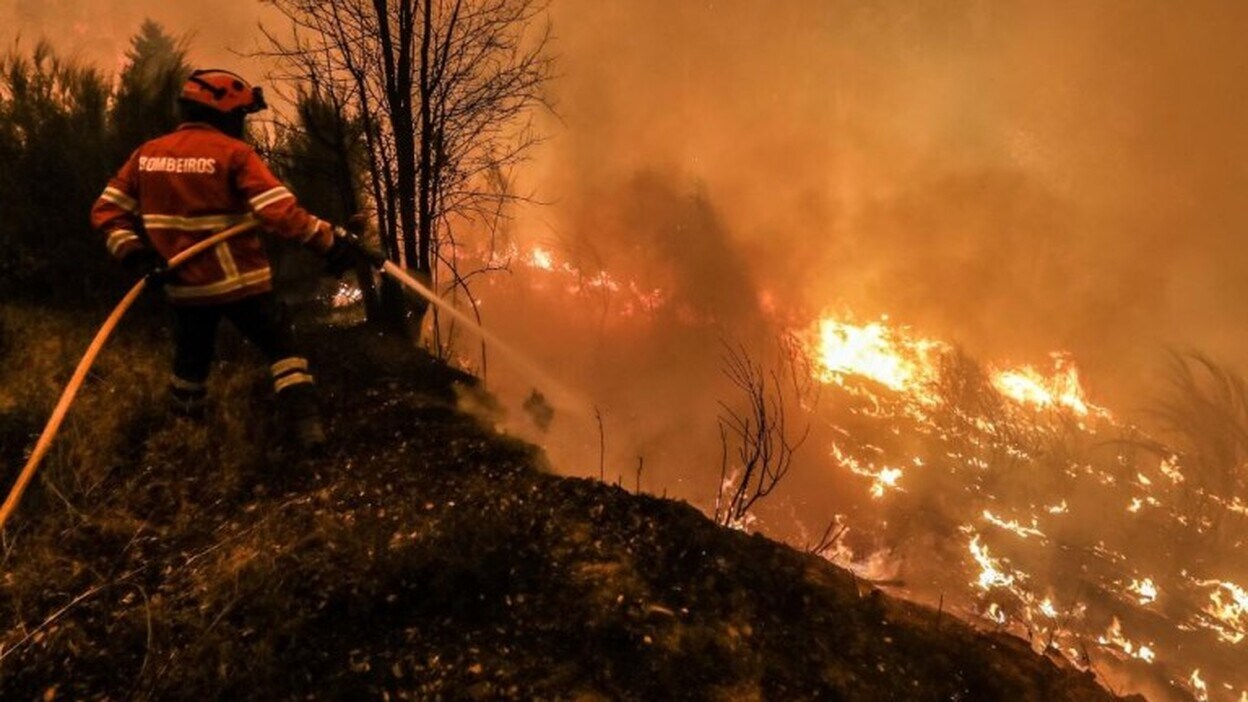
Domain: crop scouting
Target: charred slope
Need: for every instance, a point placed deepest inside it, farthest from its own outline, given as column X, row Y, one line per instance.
column 429, row 558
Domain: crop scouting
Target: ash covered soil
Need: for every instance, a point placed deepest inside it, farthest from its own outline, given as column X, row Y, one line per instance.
column 424, row 557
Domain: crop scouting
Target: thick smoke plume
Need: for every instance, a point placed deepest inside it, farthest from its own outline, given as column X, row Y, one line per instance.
column 1019, row 178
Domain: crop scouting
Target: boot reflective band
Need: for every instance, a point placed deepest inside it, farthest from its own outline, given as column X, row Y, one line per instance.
column 286, row 365
column 290, row 371
column 186, row 387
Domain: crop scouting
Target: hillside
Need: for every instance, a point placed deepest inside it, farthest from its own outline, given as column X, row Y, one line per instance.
column 425, row 557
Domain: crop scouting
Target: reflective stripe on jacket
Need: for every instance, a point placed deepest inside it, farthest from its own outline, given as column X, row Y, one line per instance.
column 182, row 187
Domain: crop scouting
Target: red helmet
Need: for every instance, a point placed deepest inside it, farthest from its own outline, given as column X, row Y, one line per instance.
column 223, row 91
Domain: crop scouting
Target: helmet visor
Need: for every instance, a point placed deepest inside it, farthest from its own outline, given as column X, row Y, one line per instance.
column 257, row 101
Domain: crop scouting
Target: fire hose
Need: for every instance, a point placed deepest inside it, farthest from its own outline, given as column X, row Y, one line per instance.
column 560, row 395
column 374, row 258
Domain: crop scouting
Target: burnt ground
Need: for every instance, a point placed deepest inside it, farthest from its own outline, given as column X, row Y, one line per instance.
column 424, row 557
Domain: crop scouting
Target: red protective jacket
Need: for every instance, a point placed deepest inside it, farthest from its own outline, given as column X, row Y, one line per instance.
column 182, row 187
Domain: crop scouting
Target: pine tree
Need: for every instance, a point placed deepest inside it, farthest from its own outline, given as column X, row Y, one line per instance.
column 145, row 104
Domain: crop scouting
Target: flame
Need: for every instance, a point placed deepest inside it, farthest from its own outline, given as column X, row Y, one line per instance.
column 893, row 374
column 1199, row 688
column 1047, row 608
column 629, row 297
column 904, row 389
column 1113, row 638
column 1170, row 468
column 905, row 363
column 1145, row 590
column 1013, row 525
column 1228, row 606
column 882, row 479
column 874, row 351
column 991, row 572
column 541, row 258
column 1028, row 386
column 886, row 478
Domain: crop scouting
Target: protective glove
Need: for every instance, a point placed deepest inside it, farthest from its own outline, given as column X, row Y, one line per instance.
column 340, row 257
column 147, row 264
column 358, row 224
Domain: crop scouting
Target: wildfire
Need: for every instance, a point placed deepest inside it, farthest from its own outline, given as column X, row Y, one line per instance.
column 892, row 382
column 1113, row 638
column 991, row 572
column 905, row 363
column 1047, row 608
column 1228, row 606
column 631, row 299
column 882, row 479
column 1170, row 468
column 1145, row 590
column 874, row 351
column 1014, row 526
column 1028, row 386
column 1199, row 687
column 886, row 478
column 541, row 258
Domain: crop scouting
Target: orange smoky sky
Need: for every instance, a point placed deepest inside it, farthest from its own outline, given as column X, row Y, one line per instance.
column 99, row 30
column 1017, row 176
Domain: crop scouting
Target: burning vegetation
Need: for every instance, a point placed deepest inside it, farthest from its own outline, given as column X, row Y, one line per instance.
column 1081, row 532
column 1004, row 491
column 986, row 487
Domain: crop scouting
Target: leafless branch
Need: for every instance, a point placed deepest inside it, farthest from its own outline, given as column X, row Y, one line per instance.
column 760, row 435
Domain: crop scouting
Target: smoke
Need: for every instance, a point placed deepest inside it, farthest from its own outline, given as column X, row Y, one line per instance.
column 1019, row 178
column 98, row 31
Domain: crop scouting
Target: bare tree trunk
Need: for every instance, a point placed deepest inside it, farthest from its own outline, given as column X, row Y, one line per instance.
column 477, row 67
column 426, row 141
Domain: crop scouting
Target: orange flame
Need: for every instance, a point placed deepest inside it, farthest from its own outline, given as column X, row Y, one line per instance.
column 541, row 258
column 1199, row 688
column 1028, row 386
column 1113, row 638
column 874, row 351
column 1228, row 606
column 1145, row 590
column 992, row 574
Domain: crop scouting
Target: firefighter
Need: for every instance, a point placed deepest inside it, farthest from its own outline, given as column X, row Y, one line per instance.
column 180, row 188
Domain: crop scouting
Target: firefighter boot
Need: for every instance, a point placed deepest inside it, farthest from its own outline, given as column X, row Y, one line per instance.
column 187, row 398
column 301, row 418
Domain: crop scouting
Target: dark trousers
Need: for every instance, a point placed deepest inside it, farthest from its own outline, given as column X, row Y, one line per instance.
column 258, row 318
column 261, row 320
